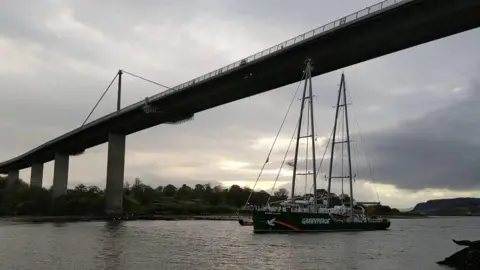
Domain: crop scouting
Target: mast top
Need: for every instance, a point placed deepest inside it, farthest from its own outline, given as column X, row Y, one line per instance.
column 341, row 103
column 310, row 126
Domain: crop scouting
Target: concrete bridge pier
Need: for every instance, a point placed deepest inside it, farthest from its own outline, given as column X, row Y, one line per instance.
column 36, row 175
column 12, row 177
column 60, row 174
column 115, row 174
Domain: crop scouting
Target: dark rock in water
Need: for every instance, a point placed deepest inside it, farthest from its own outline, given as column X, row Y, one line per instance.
column 467, row 258
column 474, row 244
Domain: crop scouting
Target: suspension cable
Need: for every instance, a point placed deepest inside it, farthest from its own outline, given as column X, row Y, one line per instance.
column 275, row 140
column 323, row 157
column 364, row 148
column 357, row 155
column 283, row 162
column 147, row 80
column 98, row 102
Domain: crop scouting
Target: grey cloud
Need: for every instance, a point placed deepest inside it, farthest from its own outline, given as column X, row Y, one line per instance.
column 438, row 150
column 21, row 18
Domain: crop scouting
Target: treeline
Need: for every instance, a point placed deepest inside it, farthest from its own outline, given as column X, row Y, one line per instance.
column 139, row 198
column 142, row 199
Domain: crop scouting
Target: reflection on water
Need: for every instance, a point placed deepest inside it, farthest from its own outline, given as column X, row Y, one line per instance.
column 112, row 247
column 59, row 224
column 409, row 244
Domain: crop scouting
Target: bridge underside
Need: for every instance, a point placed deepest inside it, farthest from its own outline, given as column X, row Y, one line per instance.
column 400, row 28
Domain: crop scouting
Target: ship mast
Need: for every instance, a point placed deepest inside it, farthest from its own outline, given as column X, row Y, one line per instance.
column 342, row 94
column 334, row 134
column 350, row 176
column 308, row 80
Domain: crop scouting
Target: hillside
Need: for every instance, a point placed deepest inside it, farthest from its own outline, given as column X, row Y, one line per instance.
column 449, row 207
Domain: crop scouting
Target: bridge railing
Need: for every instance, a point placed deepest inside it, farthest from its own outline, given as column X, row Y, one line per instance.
column 368, row 11
column 380, row 7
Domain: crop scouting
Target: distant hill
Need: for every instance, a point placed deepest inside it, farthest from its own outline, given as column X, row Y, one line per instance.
column 449, row 207
column 405, row 209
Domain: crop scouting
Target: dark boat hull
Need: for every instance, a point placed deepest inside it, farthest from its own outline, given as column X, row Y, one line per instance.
column 264, row 222
column 245, row 222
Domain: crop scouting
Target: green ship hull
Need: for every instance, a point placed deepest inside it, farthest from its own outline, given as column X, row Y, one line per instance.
column 264, row 222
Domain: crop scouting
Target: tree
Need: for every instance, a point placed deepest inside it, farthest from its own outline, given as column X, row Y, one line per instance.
column 184, row 192
column 235, row 196
column 143, row 199
column 208, row 193
column 138, row 186
column 380, row 210
column 137, row 182
column 169, row 190
column 322, row 192
column 80, row 188
column 258, row 198
column 281, row 194
column 217, row 196
column 199, row 191
column 94, row 190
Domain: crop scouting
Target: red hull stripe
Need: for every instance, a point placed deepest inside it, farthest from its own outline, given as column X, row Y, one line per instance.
column 287, row 225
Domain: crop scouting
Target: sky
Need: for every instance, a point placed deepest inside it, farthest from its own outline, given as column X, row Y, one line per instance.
column 418, row 122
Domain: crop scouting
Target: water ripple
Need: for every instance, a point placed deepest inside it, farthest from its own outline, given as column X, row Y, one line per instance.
column 410, row 244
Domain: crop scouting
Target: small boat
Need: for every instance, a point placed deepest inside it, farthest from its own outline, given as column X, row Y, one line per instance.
column 245, row 221
column 322, row 210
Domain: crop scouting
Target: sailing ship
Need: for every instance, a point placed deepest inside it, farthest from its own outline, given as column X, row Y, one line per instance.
column 322, row 210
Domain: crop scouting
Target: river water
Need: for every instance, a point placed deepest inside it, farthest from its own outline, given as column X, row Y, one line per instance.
column 409, row 244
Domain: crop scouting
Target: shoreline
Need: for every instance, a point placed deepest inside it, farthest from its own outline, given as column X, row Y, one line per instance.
column 224, row 217
column 41, row 219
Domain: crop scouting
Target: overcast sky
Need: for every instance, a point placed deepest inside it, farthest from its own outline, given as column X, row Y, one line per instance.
column 417, row 109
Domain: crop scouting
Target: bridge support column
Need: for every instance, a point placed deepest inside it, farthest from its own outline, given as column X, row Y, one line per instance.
column 60, row 174
column 115, row 174
column 12, row 177
column 36, row 175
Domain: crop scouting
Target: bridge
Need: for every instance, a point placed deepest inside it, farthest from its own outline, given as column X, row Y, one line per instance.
column 381, row 29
